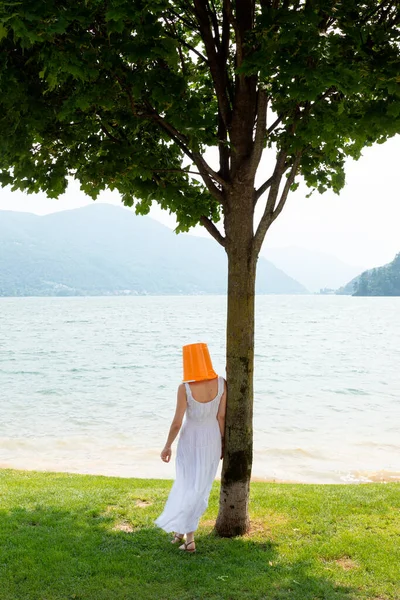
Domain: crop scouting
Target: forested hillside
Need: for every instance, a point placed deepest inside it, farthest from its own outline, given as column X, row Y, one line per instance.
column 381, row 281
column 103, row 249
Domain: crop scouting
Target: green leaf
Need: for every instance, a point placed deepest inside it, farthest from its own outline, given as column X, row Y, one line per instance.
column 3, row 31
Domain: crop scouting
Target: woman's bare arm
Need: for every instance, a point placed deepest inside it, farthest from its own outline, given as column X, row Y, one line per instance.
column 221, row 417
column 176, row 423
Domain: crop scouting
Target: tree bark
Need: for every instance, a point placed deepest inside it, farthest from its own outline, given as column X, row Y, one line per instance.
column 233, row 516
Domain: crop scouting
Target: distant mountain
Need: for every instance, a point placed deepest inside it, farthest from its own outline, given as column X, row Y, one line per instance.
column 315, row 270
column 382, row 281
column 102, row 249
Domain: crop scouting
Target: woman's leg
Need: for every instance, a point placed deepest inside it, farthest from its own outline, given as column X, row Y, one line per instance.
column 190, row 537
column 189, row 545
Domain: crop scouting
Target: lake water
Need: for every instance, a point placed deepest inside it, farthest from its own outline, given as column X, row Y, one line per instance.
column 88, row 385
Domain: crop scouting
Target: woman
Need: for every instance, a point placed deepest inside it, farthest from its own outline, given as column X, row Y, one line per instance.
column 202, row 397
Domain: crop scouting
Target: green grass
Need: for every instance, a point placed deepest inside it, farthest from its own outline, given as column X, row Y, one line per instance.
column 92, row 538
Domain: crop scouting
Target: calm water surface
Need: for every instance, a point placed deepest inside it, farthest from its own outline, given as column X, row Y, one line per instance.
column 88, row 384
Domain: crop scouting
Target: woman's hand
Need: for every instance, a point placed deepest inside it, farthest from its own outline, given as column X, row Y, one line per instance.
column 166, row 454
column 176, row 423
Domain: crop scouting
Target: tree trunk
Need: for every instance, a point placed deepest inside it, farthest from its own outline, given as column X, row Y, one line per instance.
column 233, row 516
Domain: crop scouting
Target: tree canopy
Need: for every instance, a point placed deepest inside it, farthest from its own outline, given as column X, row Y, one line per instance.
column 128, row 94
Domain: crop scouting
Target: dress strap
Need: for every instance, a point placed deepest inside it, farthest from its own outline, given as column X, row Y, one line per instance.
column 220, row 386
column 188, row 392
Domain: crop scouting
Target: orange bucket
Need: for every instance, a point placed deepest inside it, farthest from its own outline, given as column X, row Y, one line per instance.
column 197, row 365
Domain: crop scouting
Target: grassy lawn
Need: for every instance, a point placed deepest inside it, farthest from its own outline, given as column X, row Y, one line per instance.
column 92, row 538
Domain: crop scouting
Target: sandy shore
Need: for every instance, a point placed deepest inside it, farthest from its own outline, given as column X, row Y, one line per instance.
column 356, row 476
column 360, row 476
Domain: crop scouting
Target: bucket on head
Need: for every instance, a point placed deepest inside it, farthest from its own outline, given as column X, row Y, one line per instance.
column 197, row 365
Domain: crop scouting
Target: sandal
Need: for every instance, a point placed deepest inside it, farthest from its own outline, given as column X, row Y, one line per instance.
column 177, row 538
column 185, row 547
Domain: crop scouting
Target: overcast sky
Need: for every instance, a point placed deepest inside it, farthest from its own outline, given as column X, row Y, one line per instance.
column 361, row 226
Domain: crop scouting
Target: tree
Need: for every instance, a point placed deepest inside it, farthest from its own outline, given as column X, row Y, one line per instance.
column 381, row 281
column 129, row 95
column 362, row 285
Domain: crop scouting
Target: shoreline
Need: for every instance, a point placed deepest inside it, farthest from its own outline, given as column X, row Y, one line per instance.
column 364, row 477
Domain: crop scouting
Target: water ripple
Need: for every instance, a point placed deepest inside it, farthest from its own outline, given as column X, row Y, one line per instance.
column 90, row 383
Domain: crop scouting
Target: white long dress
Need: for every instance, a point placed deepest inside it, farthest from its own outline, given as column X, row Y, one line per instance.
column 197, row 458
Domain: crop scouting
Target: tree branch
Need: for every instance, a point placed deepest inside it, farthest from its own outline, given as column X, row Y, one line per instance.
column 206, row 172
column 217, row 73
column 279, row 170
column 213, row 15
column 175, row 171
column 188, row 46
column 327, row 93
column 200, row 160
column 212, row 230
column 263, row 188
column 227, row 8
column 223, row 149
column 190, row 25
column 378, row 8
column 109, row 135
column 244, row 12
column 266, row 219
column 271, row 213
column 175, row 36
column 261, row 133
column 224, row 52
column 289, row 182
column 170, row 129
column 223, row 64
column 274, row 124
column 208, row 175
